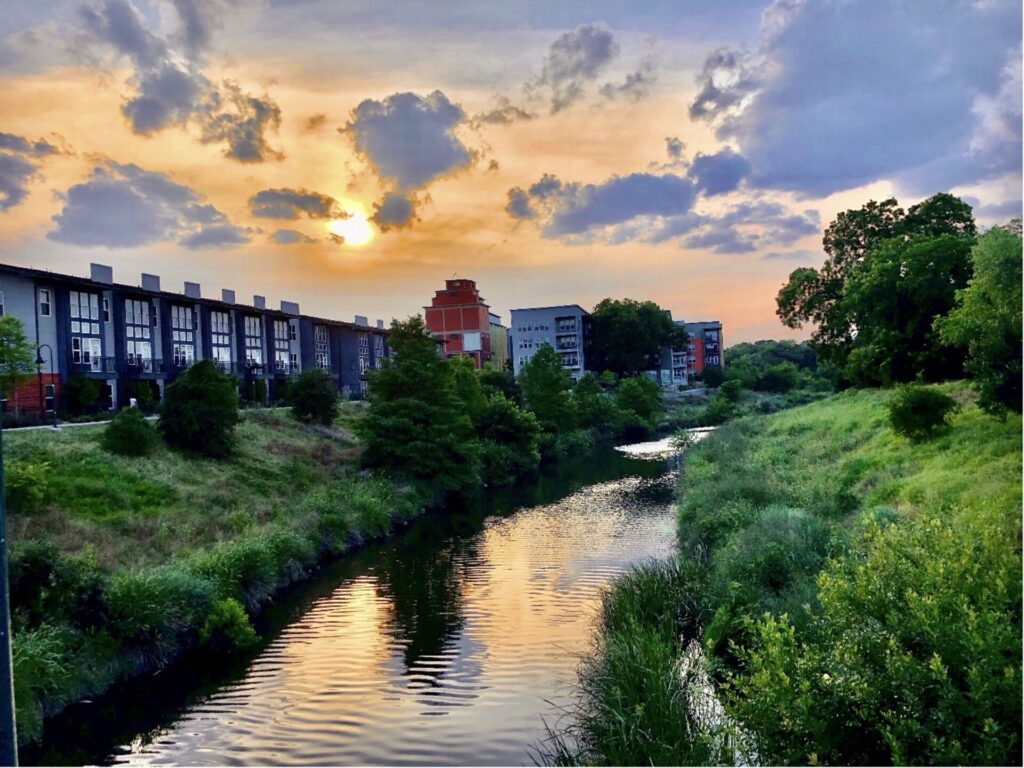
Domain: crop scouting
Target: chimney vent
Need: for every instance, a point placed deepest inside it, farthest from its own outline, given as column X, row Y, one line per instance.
column 227, row 295
column 380, row 324
column 290, row 307
column 101, row 273
column 260, row 302
column 150, row 282
column 361, row 320
column 192, row 290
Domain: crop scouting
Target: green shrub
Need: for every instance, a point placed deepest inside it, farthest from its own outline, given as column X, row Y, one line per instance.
column 151, row 611
column 130, row 434
column 918, row 413
column 778, row 378
column 713, row 376
column 26, row 484
column 718, row 411
column 200, row 411
column 227, row 627
column 640, row 395
column 42, row 665
column 244, row 569
column 146, row 395
column 79, row 395
column 254, row 391
column 509, row 441
column 731, row 390
column 314, row 397
column 45, row 584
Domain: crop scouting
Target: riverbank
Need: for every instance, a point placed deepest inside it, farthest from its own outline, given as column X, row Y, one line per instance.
column 120, row 565
column 856, row 598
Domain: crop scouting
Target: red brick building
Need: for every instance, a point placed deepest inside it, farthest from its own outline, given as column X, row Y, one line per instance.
column 459, row 317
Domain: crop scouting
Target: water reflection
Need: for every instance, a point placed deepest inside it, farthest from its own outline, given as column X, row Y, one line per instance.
column 448, row 645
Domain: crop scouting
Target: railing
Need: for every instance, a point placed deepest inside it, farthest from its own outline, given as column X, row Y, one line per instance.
column 139, row 366
column 96, row 365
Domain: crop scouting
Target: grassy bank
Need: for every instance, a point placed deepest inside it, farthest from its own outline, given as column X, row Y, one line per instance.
column 857, row 598
column 118, row 565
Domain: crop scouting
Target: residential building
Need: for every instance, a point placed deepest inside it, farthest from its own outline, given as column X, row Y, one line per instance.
column 460, row 318
column 566, row 328
column 131, row 337
column 499, row 343
column 706, row 346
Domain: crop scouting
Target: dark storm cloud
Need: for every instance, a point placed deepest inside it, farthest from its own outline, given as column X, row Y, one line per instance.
column 574, row 60
column 409, row 140
column 290, row 237
column 287, row 203
column 754, row 225
column 887, row 97
column 169, row 87
column 718, row 173
column 122, row 205
column 395, row 211
column 15, row 173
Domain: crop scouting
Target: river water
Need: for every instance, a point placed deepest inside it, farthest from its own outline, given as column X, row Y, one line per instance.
column 454, row 642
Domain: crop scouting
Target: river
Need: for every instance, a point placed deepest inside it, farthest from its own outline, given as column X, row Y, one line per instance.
column 454, row 642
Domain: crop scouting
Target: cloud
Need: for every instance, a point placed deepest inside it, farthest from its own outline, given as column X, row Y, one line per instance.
column 287, row 203
column 315, row 121
column 621, row 208
column 636, row 86
column 803, row 255
column 718, row 173
column 290, row 237
column 410, row 140
column 886, row 98
column 395, row 211
column 15, row 173
column 168, row 84
column 722, row 239
column 22, row 146
column 122, row 206
column 575, row 59
column 753, row 225
column 506, row 112
column 674, row 147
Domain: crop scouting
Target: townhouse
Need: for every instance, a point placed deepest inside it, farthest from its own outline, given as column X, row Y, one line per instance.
column 130, row 337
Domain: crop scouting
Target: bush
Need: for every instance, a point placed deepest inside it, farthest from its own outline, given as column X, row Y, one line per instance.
column 79, row 395
column 713, row 376
column 152, row 610
column 314, row 397
column 918, row 413
column 227, row 627
column 130, row 434
column 640, row 395
column 509, row 441
column 243, row 569
column 145, row 394
column 778, row 378
column 26, row 484
column 718, row 411
column 254, row 391
column 45, row 584
column 200, row 411
column 41, row 659
column 731, row 390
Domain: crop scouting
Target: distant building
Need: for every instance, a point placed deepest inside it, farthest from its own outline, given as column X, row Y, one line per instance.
column 705, row 346
column 499, row 342
column 460, row 318
column 566, row 328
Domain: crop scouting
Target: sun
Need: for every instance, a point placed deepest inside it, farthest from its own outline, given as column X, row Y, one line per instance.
column 356, row 229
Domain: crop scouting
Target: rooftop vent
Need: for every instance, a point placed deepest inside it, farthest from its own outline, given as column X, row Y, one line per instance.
column 192, row 290
column 290, row 307
column 150, row 282
column 260, row 302
column 362, row 320
column 101, row 273
column 380, row 324
column 227, row 295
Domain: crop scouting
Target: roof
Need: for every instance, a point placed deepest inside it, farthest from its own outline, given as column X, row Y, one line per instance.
column 554, row 306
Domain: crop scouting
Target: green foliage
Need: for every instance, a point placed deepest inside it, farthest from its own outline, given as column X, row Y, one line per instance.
column 467, row 386
column 987, row 321
column 415, row 425
column 17, row 357
column 594, row 408
column 712, row 376
column 26, row 483
column 227, row 627
column 778, row 378
column 200, row 411
column 919, row 413
column 641, row 396
column 42, row 666
column 79, row 395
column 130, row 434
column 145, row 394
column 718, row 411
column 46, row 585
column 546, row 390
column 915, row 658
column 314, row 397
column 254, row 391
column 629, row 335
column 509, row 439
column 731, row 390
column 151, row 610
column 494, row 381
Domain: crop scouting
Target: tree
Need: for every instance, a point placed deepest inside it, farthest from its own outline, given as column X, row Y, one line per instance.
column 129, row 434
column 79, row 395
column 545, row 385
column 629, row 335
column 499, row 381
column 987, row 320
column 594, row 408
column 892, row 300
column 467, row 386
column 509, row 440
column 314, row 397
column 200, row 411
column 712, row 376
column 816, row 296
column 641, row 396
column 415, row 426
column 17, row 357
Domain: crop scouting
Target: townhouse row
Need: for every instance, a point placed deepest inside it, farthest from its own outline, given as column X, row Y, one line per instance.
column 130, row 338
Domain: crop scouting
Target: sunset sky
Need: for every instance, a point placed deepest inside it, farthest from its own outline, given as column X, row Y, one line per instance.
column 351, row 156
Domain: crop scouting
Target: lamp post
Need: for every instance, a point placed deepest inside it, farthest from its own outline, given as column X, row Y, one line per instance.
column 39, row 368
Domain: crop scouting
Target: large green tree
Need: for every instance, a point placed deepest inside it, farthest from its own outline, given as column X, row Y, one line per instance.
column 546, row 385
column 17, row 358
column 200, row 411
column 816, row 296
column 987, row 319
column 629, row 335
column 415, row 425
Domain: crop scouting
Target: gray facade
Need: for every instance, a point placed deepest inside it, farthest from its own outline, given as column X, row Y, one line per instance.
column 565, row 328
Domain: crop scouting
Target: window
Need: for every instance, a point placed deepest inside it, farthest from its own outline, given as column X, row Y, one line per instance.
column 86, row 349
column 183, row 340
column 137, row 332
column 106, row 310
column 220, row 338
column 45, row 301
column 291, row 331
column 2, row 302
column 50, row 398
column 253, row 342
column 321, row 348
column 294, row 360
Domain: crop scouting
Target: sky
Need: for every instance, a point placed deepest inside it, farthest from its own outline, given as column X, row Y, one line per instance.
column 351, row 156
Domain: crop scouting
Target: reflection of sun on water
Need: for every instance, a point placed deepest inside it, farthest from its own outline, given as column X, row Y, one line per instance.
column 356, row 229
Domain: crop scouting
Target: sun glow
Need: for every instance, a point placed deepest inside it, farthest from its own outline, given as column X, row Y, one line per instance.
column 355, row 230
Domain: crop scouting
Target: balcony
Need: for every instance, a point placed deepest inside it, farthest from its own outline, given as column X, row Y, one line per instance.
column 95, row 365
column 285, row 369
column 145, row 366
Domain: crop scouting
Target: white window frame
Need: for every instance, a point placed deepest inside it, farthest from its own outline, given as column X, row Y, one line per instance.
column 45, row 302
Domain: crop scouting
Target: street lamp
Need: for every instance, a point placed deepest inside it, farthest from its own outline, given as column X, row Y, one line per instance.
column 39, row 369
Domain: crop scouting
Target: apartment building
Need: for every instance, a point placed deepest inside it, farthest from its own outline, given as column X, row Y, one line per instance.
column 460, row 319
column 499, row 342
column 127, row 337
column 705, row 347
column 566, row 328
